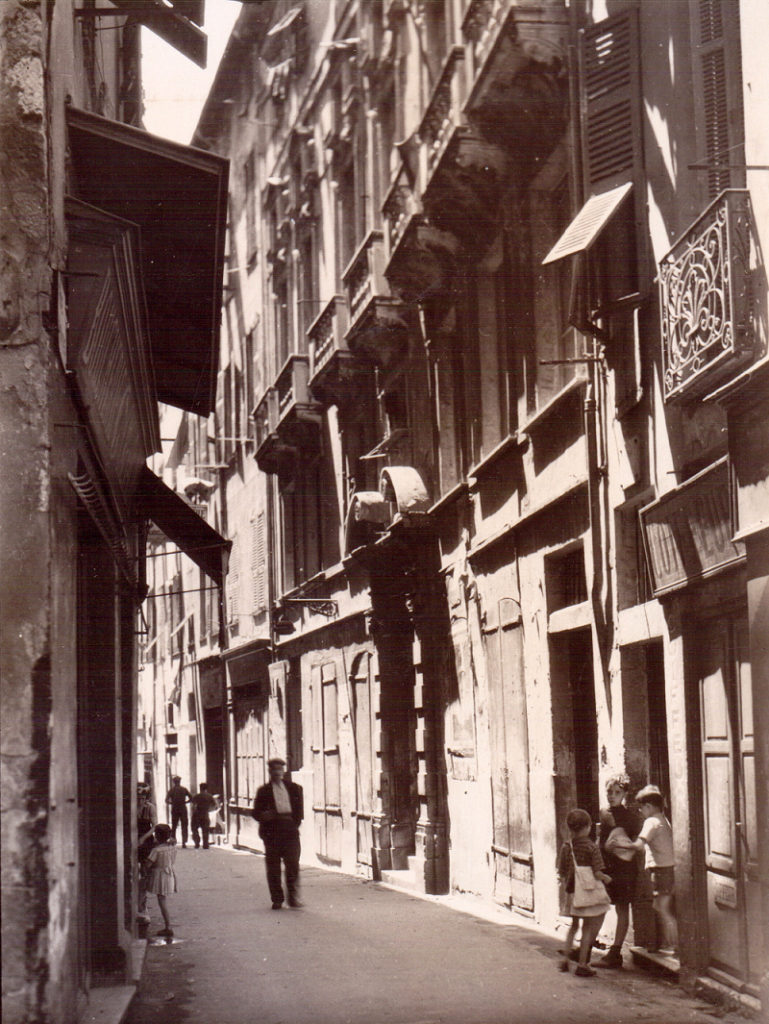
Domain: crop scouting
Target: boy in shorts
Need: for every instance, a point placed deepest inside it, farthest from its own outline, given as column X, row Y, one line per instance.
column 656, row 839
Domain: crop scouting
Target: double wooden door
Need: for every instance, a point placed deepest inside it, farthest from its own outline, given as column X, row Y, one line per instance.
column 729, row 798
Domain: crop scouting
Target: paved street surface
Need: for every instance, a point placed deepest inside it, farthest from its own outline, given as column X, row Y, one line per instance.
column 359, row 953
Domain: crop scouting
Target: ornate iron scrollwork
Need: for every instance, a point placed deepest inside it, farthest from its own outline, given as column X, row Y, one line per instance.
column 704, row 299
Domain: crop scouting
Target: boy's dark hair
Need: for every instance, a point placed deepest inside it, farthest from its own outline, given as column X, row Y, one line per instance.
column 203, row 786
column 578, row 819
column 163, row 833
column 651, row 795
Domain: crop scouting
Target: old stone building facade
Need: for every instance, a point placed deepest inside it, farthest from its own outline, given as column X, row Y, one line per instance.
column 491, row 441
column 112, row 254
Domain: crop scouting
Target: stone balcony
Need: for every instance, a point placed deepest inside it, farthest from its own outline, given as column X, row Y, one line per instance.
column 333, row 365
column 517, row 57
column 443, row 114
column 420, row 255
column 271, row 453
column 287, row 419
column 296, row 406
column 378, row 326
column 464, row 174
column 705, row 306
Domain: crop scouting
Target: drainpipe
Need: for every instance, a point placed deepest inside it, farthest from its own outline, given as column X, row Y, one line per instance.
column 599, row 590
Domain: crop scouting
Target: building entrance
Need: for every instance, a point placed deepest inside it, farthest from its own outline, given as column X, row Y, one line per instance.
column 729, row 801
column 575, row 728
column 511, row 846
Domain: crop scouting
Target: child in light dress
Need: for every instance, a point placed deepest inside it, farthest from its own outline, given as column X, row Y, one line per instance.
column 584, row 852
column 160, row 875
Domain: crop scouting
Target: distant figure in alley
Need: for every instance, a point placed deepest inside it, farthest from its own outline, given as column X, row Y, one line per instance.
column 178, row 797
column 202, row 804
column 279, row 809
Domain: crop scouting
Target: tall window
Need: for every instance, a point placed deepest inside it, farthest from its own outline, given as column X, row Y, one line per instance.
column 281, row 314
column 715, row 26
column 249, row 201
column 556, row 340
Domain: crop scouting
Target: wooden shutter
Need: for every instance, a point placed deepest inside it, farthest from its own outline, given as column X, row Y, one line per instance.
column 612, row 128
column 718, row 92
column 220, row 428
column 258, row 563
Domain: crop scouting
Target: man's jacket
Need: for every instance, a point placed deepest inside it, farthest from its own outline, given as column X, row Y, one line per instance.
column 265, row 803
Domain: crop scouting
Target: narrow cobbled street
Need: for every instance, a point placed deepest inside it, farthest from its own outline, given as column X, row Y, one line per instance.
column 359, row 953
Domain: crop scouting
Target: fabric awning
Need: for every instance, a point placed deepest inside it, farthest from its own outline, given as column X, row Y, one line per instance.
column 591, row 220
column 183, row 526
column 178, row 197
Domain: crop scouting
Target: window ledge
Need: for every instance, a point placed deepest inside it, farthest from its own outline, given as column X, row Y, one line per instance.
column 456, row 492
column 517, row 440
column 538, row 419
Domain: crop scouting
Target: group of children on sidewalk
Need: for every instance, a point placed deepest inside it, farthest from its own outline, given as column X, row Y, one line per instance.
column 592, row 884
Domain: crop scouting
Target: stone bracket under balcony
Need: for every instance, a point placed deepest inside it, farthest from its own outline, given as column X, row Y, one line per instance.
column 378, row 329
column 299, row 415
column 275, row 456
column 335, row 371
column 424, row 263
column 464, row 192
column 705, row 303
column 381, row 332
column 519, row 98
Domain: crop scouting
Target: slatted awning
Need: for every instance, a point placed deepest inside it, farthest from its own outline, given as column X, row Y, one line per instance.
column 183, row 526
column 585, row 229
column 177, row 195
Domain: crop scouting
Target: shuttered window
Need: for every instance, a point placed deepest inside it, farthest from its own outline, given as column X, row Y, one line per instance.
column 612, row 129
column 718, row 92
column 612, row 153
column 259, row 563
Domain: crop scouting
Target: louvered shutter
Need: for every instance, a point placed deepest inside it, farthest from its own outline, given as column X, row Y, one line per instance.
column 612, row 128
column 258, row 563
column 233, row 584
column 718, row 91
column 220, row 426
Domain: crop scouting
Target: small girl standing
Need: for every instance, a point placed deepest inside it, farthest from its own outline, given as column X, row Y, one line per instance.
column 581, row 850
column 161, row 878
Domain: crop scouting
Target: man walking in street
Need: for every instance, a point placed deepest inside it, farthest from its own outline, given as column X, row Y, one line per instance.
column 178, row 797
column 279, row 809
column 202, row 805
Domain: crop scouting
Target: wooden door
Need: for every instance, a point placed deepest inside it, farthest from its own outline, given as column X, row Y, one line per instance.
column 327, row 809
column 728, row 786
column 511, row 846
column 363, row 733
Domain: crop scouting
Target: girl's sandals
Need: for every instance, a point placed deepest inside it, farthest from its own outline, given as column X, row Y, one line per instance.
column 584, row 972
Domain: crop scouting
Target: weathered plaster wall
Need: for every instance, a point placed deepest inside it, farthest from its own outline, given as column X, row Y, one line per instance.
column 24, row 421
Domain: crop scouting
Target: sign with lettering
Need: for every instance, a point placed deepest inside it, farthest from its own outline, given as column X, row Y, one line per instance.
column 688, row 532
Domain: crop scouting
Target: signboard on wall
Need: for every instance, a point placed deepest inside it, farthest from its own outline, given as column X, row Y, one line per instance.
column 688, row 532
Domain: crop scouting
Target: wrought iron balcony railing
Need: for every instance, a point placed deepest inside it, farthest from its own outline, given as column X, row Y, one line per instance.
column 482, row 23
column 364, row 276
column 265, row 416
column 292, row 387
column 705, row 300
column 444, row 111
column 331, row 357
column 400, row 206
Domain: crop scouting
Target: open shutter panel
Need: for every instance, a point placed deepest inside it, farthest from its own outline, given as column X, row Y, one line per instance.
column 220, row 426
column 259, row 563
column 717, row 91
column 612, row 127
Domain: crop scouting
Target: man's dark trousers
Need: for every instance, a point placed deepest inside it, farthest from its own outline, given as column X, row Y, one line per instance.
column 283, row 846
column 200, row 821
column 179, row 816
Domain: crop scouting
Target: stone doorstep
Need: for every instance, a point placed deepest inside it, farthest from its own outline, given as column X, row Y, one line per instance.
column 668, row 964
column 109, row 1004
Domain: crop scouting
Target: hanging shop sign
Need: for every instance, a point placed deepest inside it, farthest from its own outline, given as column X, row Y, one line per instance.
column 688, row 533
